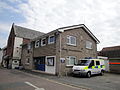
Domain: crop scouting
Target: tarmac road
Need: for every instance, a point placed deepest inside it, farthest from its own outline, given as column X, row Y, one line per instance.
column 17, row 80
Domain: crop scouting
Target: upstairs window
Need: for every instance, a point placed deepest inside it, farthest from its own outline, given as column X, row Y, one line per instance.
column 71, row 40
column 71, row 60
column 37, row 43
column 43, row 42
column 88, row 45
column 51, row 39
column 29, row 46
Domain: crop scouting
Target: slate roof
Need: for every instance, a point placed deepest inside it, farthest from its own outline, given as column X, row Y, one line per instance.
column 26, row 33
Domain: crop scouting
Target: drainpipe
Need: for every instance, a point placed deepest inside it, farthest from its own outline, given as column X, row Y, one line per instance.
column 60, row 58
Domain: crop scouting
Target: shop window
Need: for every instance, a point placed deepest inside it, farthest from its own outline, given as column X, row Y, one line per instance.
column 50, row 61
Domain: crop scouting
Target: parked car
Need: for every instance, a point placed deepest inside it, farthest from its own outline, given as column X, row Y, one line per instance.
column 88, row 67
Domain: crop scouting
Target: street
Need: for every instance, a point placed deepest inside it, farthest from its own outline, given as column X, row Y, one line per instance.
column 23, row 80
column 16, row 80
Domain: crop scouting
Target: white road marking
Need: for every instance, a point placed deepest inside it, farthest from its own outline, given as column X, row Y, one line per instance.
column 36, row 88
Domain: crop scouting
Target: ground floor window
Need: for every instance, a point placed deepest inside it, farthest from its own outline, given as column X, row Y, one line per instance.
column 50, row 61
column 71, row 60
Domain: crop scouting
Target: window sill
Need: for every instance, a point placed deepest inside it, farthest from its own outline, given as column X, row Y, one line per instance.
column 69, row 66
column 71, row 45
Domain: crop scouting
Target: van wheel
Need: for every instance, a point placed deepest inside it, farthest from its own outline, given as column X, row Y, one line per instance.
column 102, row 73
column 88, row 74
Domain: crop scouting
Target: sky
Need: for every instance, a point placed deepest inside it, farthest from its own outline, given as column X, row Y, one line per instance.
column 102, row 17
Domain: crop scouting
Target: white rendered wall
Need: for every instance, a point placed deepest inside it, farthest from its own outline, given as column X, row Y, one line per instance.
column 51, row 69
column 17, row 48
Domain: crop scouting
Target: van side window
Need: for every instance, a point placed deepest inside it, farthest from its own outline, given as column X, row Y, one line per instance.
column 91, row 64
column 97, row 63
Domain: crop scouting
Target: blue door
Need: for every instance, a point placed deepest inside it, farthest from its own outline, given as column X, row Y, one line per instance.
column 40, row 63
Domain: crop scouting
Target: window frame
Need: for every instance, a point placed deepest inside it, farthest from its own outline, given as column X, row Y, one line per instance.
column 69, row 40
column 49, row 42
column 90, row 45
column 42, row 41
column 68, row 60
column 37, row 42
column 53, row 60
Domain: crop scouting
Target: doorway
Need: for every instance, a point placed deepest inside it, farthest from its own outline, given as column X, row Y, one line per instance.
column 39, row 63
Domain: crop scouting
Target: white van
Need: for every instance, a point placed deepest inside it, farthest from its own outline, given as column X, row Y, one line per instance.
column 89, row 67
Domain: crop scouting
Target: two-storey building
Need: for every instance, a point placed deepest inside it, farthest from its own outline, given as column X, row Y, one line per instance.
column 57, row 51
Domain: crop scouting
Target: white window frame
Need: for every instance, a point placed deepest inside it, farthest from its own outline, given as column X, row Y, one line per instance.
column 49, row 39
column 53, row 60
column 37, row 42
column 69, row 39
column 68, row 59
column 89, row 45
column 42, row 42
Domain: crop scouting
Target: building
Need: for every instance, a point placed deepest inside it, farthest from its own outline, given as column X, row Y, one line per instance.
column 57, row 51
column 113, row 54
column 18, row 35
column 1, row 55
column 4, row 63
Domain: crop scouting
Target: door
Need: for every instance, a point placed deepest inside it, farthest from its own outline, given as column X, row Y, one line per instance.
column 40, row 63
column 92, row 67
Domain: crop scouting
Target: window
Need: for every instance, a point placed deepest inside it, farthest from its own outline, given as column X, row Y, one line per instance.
column 97, row 63
column 91, row 64
column 88, row 45
column 37, row 43
column 51, row 39
column 29, row 46
column 27, row 61
column 43, row 42
column 71, row 60
column 50, row 61
column 71, row 40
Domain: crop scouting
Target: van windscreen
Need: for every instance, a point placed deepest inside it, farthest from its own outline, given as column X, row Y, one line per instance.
column 83, row 62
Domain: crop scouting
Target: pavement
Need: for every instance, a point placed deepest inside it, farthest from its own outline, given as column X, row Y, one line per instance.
column 23, row 80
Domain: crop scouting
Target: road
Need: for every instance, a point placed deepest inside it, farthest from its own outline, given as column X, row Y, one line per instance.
column 18, row 80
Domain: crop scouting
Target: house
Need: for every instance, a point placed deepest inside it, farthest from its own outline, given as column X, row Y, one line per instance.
column 18, row 35
column 113, row 54
column 1, row 55
column 57, row 51
column 3, row 62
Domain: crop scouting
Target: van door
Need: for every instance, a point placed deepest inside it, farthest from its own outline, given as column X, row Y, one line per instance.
column 91, row 67
column 97, row 67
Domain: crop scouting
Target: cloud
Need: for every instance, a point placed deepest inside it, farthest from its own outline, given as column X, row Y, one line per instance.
column 4, row 5
column 101, row 17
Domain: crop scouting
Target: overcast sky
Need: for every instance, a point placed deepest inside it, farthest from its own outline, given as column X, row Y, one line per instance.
column 102, row 17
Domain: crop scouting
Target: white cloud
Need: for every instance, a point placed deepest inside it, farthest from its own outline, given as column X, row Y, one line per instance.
column 4, row 5
column 100, row 16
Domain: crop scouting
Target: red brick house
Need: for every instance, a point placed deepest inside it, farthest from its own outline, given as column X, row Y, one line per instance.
column 18, row 35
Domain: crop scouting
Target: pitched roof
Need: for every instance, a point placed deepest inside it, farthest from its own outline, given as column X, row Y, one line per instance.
column 111, row 48
column 80, row 26
column 26, row 33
